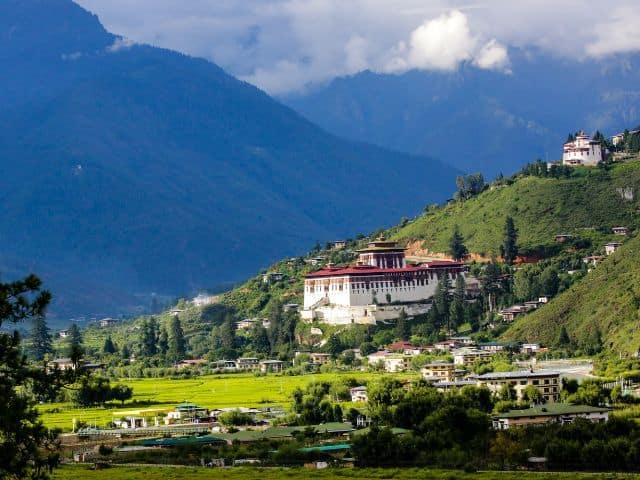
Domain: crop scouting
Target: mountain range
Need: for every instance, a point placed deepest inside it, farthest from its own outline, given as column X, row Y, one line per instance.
column 128, row 169
column 482, row 120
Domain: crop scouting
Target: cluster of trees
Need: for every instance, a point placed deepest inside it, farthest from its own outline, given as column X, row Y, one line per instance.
column 469, row 186
column 166, row 344
column 540, row 169
column 93, row 390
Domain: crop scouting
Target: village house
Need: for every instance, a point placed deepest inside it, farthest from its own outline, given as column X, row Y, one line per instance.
column 549, row 413
column 247, row 363
column 618, row 138
column 611, row 247
column 442, row 371
column 359, row 394
column 320, row 358
column 463, row 341
column 582, row 151
column 495, row 347
column 272, row 277
column 186, row 412
column 377, row 357
column 271, row 366
column 467, row 357
column 547, row 382
column 338, row 245
column 509, row 314
column 396, row 363
column 61, row 364
column 620, row 230
column 447, row 345
column 378, row 287
column 530, row 348
column 593, row 259
column 107, row 322
column 63, row 333
column 191, row 363
column 406, row 348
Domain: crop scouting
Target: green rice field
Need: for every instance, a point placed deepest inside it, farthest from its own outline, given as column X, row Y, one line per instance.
column 190, row 473
column 155, row 395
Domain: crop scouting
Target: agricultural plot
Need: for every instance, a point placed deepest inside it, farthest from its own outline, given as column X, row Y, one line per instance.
column 177, row 473
column 156, row 395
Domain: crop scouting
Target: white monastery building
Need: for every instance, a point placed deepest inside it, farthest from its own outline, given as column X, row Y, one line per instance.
column 582, row 151
column 376, row 288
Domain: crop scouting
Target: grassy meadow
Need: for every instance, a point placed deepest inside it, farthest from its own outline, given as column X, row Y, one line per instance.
column 211, row 391
column 190, row 473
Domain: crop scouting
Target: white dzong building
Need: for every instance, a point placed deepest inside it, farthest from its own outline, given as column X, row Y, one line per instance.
column 582, row 151
column 376, row 288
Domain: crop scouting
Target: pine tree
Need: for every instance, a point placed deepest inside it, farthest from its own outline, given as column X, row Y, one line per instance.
column 125, row 353
column 75, row 349
column 457, row 309
column 260, row 339
column 333, row 346
column 228, row 334
column 442, row 299
column 457, row 248
column 149, row 340
column 163, row 341
column 26, row 446
column 108, row 347
column 403, row 328
column 177, row 344
column 40, row 339
column 563, row 338
column 509, row 249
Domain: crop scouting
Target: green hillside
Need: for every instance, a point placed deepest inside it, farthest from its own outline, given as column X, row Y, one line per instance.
column 586, row 205
column 605, row 302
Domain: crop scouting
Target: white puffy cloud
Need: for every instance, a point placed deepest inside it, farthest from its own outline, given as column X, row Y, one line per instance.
column 492, row 56
column 443, row 43
column 284, row 45
column 619, row 33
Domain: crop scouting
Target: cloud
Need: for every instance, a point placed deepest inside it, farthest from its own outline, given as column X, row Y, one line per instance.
column 492, row 56
column 443, row 43
column 285, row 45
column 120, row 43
column 619, row 33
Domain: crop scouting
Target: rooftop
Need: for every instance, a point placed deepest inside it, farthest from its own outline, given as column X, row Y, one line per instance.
column 552, row 409
column 518, row 374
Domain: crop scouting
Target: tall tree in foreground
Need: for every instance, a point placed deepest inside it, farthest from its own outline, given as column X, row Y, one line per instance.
column 403, row 328
column 457, row 248
column 509, row 249
column 75, row 350
column 26, row 446
column 40, row 338
column 177, row 343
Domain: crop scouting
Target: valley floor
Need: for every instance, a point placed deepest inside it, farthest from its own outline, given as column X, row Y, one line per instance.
column 190, row 473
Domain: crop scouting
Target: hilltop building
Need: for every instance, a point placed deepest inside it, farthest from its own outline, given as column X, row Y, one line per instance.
column 582, row 151
column 376, row 288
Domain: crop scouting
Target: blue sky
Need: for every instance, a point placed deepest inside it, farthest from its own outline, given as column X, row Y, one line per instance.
column 283, row 46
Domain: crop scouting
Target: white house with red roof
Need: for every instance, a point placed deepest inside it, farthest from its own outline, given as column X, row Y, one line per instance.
column 376, row 288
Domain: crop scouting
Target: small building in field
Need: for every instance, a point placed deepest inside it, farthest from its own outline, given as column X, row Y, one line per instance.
column 271, row 366
column 359, row 394
column 547, row 382
column 582, row 151
column 620, row 230
column 187, row 412
column 247, row 363
column 443, row 371
column 338, row 244
column 63, row 333
column 396, row 363
column 593, row 259
column 320, row 358
column 61, row 364
column 611, row 247
column 192, row 363
column 549, row 413
column 508, row 315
